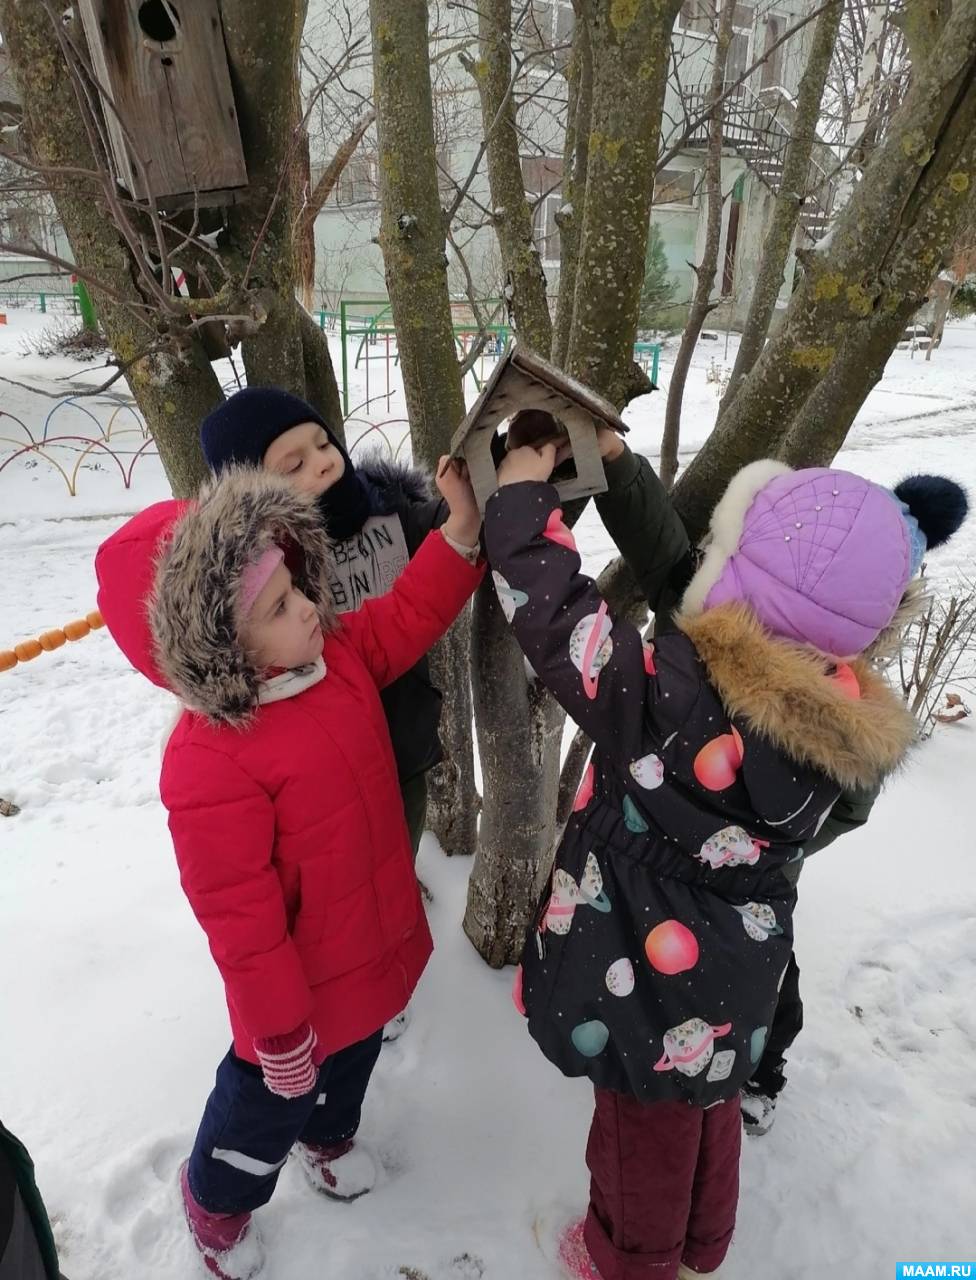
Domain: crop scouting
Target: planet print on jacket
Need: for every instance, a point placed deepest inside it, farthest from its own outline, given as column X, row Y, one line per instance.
column 621, row 978
column 759, row 920
column 590, row 648
column 567, row 895
column 509, row 598
column 718, row 763
column 586, row 788
column 733, row 846
column 688, row 1048
column 671, row 948
column 648, row 772
column 556, row 531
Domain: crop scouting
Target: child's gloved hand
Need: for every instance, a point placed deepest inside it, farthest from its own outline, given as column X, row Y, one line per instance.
column 464, row 523
column 528, row 463
column 289, row 1063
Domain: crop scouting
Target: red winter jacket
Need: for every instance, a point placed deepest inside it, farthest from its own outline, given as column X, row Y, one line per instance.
column 288, row 823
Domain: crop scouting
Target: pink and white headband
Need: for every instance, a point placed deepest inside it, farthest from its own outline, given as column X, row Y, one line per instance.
column 255, row 577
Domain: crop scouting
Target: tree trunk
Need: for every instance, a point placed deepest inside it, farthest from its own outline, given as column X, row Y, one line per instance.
column 878, row 15
column 576, row 150
column 519, row 724
column 927, row 229
column 173, row 382
column 412, row 237
column 262, row 50
column 793, row 187
column 525, row 280
column 518, row 721
column 630, row 45
column 898, row 224
column 701, row 303
column 175, row 388
column 321, row 388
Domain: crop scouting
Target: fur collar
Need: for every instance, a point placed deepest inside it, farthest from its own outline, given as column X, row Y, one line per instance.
column 393, row 482
column 193, row 612
column 780, row 689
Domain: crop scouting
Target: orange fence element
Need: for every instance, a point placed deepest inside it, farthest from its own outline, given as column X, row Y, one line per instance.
column 50, row 640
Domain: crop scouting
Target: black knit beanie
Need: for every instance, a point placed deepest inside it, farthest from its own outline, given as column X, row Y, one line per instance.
column 241, row 429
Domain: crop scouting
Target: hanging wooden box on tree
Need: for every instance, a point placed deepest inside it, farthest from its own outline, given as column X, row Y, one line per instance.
column 163, row 65
column 526, row 386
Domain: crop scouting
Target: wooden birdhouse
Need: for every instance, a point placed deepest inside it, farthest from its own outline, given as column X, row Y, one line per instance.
column 170, row 113
column 544, row 404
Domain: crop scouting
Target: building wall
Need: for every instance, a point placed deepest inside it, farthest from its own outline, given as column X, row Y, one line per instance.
column 349, row 262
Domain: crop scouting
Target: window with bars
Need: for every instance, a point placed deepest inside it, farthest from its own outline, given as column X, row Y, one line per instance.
column 357, row 183
column 542, row 177
column 676, row 186
column 702, row 16
column 548, row 24
column 772, row 72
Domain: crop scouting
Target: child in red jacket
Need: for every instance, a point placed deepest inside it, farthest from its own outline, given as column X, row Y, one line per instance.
column 286, row 817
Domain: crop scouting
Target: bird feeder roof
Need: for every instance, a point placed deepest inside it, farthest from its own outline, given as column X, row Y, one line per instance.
column 523, row 380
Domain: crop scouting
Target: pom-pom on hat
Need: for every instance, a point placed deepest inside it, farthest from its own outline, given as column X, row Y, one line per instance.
column 938, row 507
column 821, row 556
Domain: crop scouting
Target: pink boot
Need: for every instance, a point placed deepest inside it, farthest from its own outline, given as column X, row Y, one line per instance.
column 343, row 1172
column 574, row 1257
column 229, row 1248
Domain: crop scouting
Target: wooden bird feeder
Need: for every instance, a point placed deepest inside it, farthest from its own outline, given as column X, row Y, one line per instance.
column 523, row 381
column 163, row 68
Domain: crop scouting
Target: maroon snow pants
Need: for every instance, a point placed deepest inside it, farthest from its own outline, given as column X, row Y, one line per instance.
column 664, row 1186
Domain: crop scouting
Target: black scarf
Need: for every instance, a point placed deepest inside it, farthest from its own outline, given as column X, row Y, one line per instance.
column 346, row 506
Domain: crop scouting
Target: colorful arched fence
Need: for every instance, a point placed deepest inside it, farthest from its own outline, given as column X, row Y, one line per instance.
column 73, row 433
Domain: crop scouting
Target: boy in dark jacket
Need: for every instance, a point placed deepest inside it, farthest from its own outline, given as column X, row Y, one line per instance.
column 720, row 750
column 647, row 530
column 377, row 516
column 27, row 1250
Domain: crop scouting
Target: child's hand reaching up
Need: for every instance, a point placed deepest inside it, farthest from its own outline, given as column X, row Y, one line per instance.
column 611, row 445
column 528, row 463
column 463, row 525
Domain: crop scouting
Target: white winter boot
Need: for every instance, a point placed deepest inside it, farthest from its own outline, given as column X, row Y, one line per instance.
column 343, row 1172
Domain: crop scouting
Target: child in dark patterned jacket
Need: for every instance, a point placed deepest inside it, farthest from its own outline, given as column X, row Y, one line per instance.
column 657, row 951
column 647, row 530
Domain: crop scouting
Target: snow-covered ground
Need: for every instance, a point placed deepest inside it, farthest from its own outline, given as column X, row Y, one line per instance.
column 113, row 1021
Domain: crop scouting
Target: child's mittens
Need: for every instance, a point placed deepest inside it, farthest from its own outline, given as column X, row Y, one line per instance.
column 289, row 1063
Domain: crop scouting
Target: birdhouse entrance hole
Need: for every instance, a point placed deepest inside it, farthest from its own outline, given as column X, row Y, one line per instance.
column 172, row 124
column 159, row 21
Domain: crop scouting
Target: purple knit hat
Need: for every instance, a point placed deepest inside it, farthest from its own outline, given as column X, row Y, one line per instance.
column 822, row 557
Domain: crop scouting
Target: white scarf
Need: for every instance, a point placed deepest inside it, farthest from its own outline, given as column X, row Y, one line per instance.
column 286, row 685
column 290, row 683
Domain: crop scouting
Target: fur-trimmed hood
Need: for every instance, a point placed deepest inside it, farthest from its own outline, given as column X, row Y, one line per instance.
column 192, row 612
column 782, row 691
column 392, row 482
